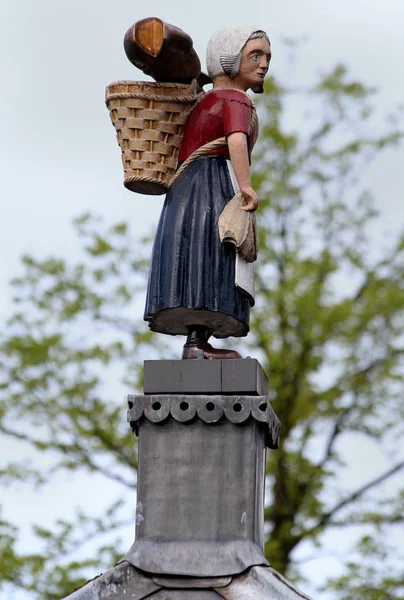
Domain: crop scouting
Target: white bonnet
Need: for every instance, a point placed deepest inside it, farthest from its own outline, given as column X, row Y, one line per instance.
column 223, row 47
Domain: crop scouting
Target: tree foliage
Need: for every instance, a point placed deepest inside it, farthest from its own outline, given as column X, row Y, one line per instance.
column 327, row 328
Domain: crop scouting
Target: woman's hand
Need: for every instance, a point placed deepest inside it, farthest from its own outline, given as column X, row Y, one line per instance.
column 251, row 199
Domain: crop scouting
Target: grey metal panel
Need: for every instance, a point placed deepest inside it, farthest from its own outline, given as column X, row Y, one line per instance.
column 124, row 582
column 120, row 583
column 261, row 583
column 185, row 595
column 191, row 582
column 200, row 498
column 209, row 408
column 232, row 376
column 195, row 558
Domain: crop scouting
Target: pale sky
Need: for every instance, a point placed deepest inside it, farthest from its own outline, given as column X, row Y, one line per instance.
column 58, row 152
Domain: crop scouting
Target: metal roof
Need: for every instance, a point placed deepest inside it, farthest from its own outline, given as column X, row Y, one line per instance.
column 125, row 582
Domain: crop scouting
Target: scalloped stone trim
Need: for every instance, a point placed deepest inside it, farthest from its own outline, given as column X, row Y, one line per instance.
column 210, row 409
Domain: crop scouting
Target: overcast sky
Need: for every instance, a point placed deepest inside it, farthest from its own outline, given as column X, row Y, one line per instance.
column 58, row 152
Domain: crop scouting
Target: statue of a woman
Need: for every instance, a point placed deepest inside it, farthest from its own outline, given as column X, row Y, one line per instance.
column 199, row 286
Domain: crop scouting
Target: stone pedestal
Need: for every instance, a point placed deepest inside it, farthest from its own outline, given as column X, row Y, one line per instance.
column 203, row 427
column 201, row 467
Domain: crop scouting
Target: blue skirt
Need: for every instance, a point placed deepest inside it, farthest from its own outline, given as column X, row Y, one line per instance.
column 191, row 280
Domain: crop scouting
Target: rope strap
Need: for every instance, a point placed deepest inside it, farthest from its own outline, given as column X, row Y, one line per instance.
column 202, row 151
column 149, row 97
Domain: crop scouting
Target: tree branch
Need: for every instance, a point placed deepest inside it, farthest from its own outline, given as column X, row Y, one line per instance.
column 119, row 324
column 359, row 520
column 345, row 412
column 336, row 430
column 99, row 469
column 87, row 537
column 68, row 449
column 326, row 518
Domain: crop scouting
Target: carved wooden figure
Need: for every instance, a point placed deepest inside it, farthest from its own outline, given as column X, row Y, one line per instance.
column 197, row 147
column 162, row 51
column 199, row 286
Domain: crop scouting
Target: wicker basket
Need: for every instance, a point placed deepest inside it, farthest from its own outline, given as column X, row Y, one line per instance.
column 149, row 119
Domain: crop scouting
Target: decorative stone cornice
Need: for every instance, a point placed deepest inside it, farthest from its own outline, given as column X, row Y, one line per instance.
column 210, row 409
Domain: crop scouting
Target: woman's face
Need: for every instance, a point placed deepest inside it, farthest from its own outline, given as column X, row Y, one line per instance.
column 255, row 59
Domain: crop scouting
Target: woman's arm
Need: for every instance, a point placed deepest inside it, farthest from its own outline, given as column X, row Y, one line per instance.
column 238, row 152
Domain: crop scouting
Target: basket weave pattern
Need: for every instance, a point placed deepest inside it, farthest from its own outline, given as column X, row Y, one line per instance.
column 149, row 119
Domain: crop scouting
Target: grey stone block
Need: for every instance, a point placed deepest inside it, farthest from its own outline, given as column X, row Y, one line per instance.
column 182, row 376
column 244, row 376
column 238, row 376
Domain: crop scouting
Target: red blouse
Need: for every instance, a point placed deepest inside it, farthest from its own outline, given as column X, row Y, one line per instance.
column 218, row 114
